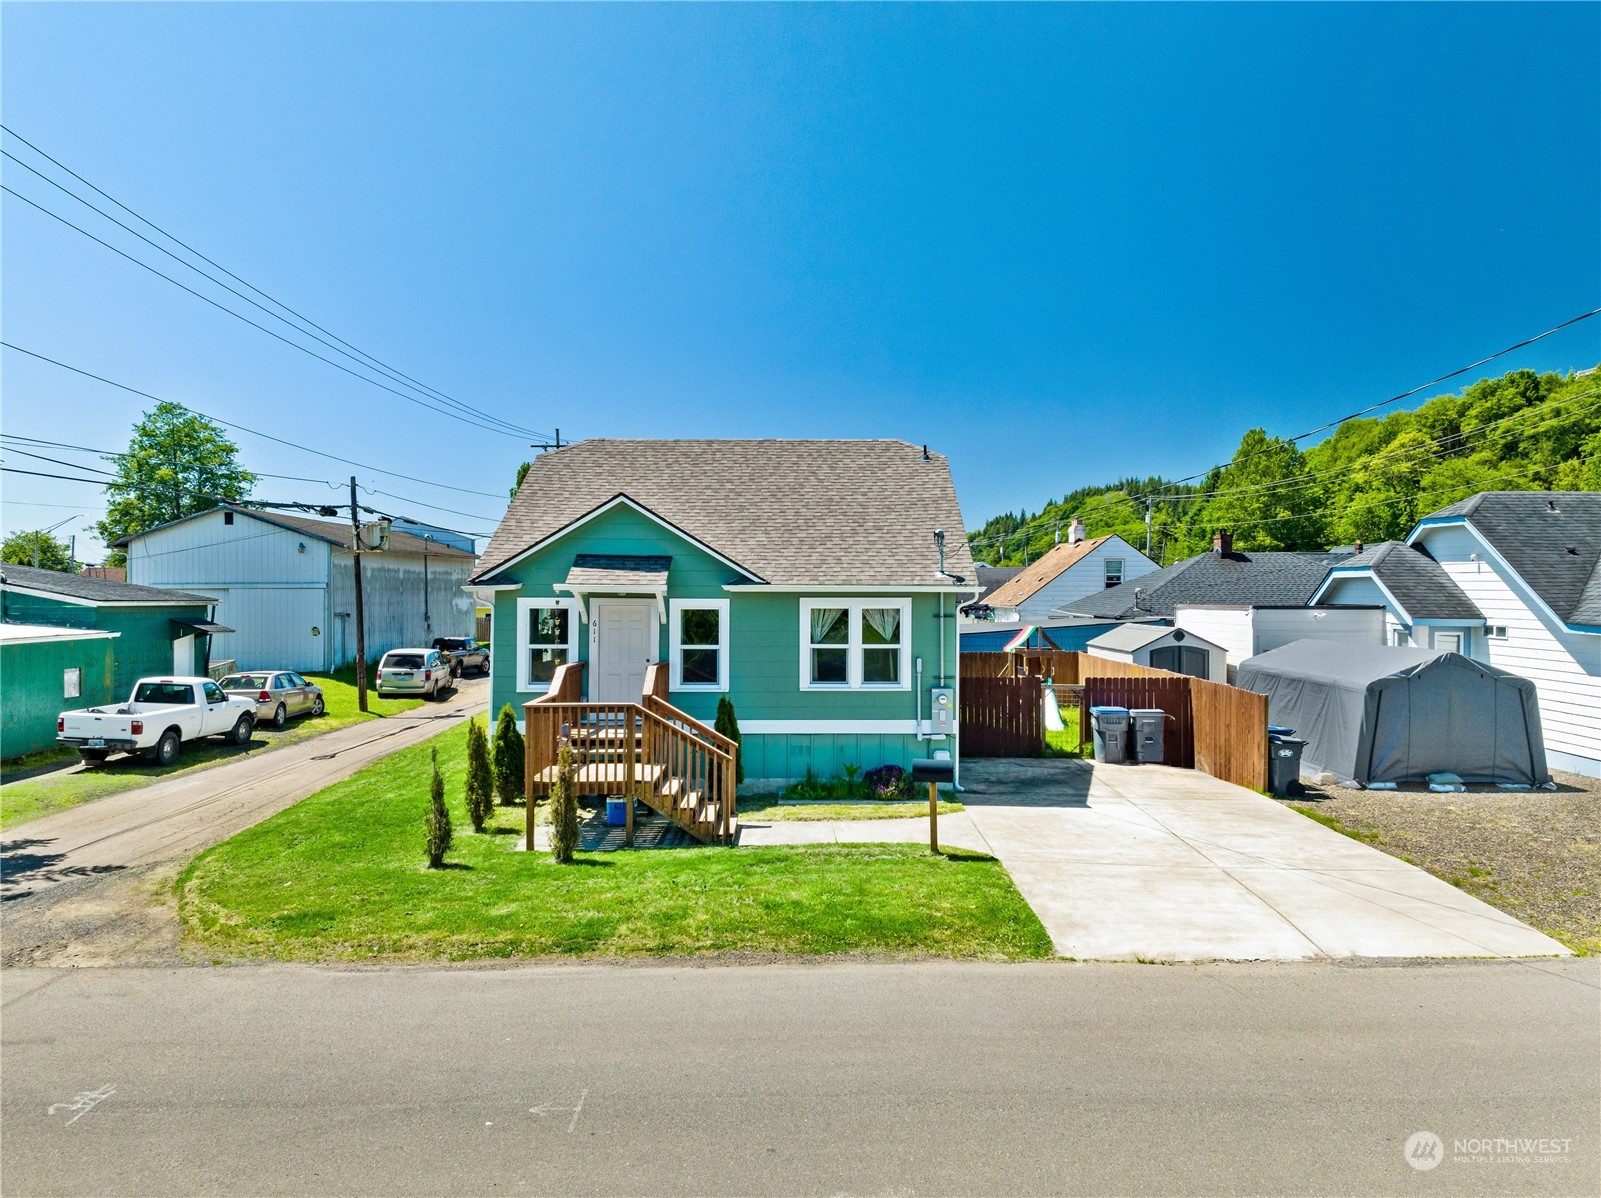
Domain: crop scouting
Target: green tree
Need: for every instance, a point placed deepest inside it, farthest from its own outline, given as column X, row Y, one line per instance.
column 480, row 802
column 178, row 463
column 37, row 548
column 564, row 805
column 522, row 473
column 1264, row 497
column 509, row 758
column 728, row 724
column 438, row 819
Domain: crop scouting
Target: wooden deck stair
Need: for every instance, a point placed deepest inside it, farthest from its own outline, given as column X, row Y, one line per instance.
column 674, row 764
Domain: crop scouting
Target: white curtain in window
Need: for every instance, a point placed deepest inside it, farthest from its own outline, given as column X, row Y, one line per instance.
column 823, row 621
column 886, row 621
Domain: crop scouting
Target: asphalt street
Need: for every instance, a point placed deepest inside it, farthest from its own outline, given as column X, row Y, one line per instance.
column 803, row 1079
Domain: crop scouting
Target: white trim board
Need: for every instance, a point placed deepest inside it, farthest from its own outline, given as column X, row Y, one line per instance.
column 828, row 727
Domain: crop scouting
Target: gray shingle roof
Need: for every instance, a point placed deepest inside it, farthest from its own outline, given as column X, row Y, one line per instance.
column 798, row 513
column 1416, row 580
column 94, row 590
column 595, row 570
column 991, row 577
column 1551, row 538
column 1275, row 579
column 1128, row 637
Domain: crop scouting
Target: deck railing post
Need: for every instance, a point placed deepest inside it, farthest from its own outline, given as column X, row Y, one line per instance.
column 630, row 750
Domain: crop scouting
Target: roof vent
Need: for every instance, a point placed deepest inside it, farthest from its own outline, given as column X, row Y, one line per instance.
column 926, row 458
column 1573, row 549
column 1550, row 505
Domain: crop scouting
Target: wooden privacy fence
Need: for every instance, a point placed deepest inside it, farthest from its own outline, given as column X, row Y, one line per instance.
column 1218, row 729
column 1001, row 717
column 1170, row 694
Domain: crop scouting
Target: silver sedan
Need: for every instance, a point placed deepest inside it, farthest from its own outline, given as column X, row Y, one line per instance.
column 279, row 694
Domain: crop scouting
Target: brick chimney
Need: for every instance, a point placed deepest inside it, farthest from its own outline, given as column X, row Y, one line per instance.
column 1222, row 543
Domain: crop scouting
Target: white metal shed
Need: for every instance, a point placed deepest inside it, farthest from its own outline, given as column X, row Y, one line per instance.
column 1162, row 648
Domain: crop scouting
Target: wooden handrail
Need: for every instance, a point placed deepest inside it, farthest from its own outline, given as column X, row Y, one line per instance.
column 566, row 685
column 655, row 681
column 706, row 732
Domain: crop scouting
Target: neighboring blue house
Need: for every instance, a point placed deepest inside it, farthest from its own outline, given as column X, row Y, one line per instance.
column 801, row 579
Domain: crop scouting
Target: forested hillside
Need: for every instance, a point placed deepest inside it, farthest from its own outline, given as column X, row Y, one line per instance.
column 1369, row 480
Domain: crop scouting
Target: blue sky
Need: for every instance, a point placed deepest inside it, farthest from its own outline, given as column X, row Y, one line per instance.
column 1063, row 244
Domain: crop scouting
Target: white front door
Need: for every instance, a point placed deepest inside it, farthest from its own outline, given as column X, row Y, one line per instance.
column 622, row 643
column 183, row 656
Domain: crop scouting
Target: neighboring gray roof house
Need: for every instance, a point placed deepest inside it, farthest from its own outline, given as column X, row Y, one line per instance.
column 787, row 513
column 1271, row 579
column 991, row 577
column 1411, row 580
column 333, row 532
column 99, row 591
column 1551, row 539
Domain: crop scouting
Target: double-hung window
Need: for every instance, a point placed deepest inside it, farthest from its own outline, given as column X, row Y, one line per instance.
column 698, row 644
column 547, row 637
column 855, row 644
column 1114, row 571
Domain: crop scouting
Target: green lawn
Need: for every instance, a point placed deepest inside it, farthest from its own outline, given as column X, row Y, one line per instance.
column 341, row 876
column 1066, row 742
column 31, row 798
column 766, row 809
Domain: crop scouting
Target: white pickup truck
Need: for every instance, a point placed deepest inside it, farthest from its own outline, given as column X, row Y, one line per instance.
column 161, row 714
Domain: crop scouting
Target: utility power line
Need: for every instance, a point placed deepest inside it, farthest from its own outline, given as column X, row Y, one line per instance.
column 365, row 358
column 475, row 423
column 244, row 429
column 112, row 453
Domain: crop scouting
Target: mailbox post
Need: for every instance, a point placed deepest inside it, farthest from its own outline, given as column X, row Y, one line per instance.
column 933, row 770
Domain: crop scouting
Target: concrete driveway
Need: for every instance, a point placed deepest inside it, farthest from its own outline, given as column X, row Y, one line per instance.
column 1158, row 864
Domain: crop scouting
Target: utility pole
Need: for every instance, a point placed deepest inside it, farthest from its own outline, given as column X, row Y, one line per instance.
column 1147, row 528
column 361, row 627
column 427, row 620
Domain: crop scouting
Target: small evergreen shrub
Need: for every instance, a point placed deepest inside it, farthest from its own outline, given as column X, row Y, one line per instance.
column 728, row 724
column 438, row 819
column 480, row 800
column 564, row 805
column 509, row 760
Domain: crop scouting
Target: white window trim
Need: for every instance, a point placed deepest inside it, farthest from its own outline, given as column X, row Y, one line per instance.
column 853, row 655
column 525, row 608
column 675, row 644
column 1106, row 569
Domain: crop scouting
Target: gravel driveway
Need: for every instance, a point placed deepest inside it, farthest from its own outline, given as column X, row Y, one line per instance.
column 1534, row 854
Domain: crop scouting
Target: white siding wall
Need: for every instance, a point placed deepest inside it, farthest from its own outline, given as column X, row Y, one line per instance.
column 1084, row 577
column 1276, row 626
column 1227, row 627
column 272, row 591
column 1365, row 590
column 392, row 592
column 1564, row 666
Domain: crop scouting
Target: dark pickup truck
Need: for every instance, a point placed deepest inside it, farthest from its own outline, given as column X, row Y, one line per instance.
column 464, row 654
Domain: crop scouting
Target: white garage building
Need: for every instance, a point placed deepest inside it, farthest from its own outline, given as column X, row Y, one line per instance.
column 286, row 584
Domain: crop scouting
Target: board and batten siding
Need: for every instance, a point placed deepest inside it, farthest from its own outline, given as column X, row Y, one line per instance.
column 396, row 616
column 271, row 584
column 1084, row 577
column 1565, row 666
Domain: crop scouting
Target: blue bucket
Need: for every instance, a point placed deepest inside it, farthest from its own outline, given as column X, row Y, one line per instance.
column 616, row 813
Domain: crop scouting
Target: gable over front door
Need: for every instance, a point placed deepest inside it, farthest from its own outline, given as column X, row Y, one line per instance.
column 623, row 642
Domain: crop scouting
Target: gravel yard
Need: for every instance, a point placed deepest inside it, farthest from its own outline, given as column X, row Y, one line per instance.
column 1534, row 854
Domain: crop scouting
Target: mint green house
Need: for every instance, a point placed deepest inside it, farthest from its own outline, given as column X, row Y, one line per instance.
column 814, row 583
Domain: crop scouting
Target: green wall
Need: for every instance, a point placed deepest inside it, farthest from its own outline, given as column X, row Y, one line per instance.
column 32, row 678
column 764, row 652
column 145, row 646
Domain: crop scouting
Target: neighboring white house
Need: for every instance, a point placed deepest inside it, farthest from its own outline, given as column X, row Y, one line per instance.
column 1068, row 571
column 1530, row 562
column 1424, row 608
column 1244, row 630
column 285, row 583
column 1163, row 648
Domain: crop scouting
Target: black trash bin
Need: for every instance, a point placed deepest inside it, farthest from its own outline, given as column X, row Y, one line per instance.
column 1110, row 726
column 1148, row 724
column 1284, row 765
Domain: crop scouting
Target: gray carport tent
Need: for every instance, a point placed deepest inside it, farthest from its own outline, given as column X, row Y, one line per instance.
column 1376, row 713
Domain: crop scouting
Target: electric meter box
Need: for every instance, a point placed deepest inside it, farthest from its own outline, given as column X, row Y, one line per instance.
column 375, row 536
column 943, row 708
